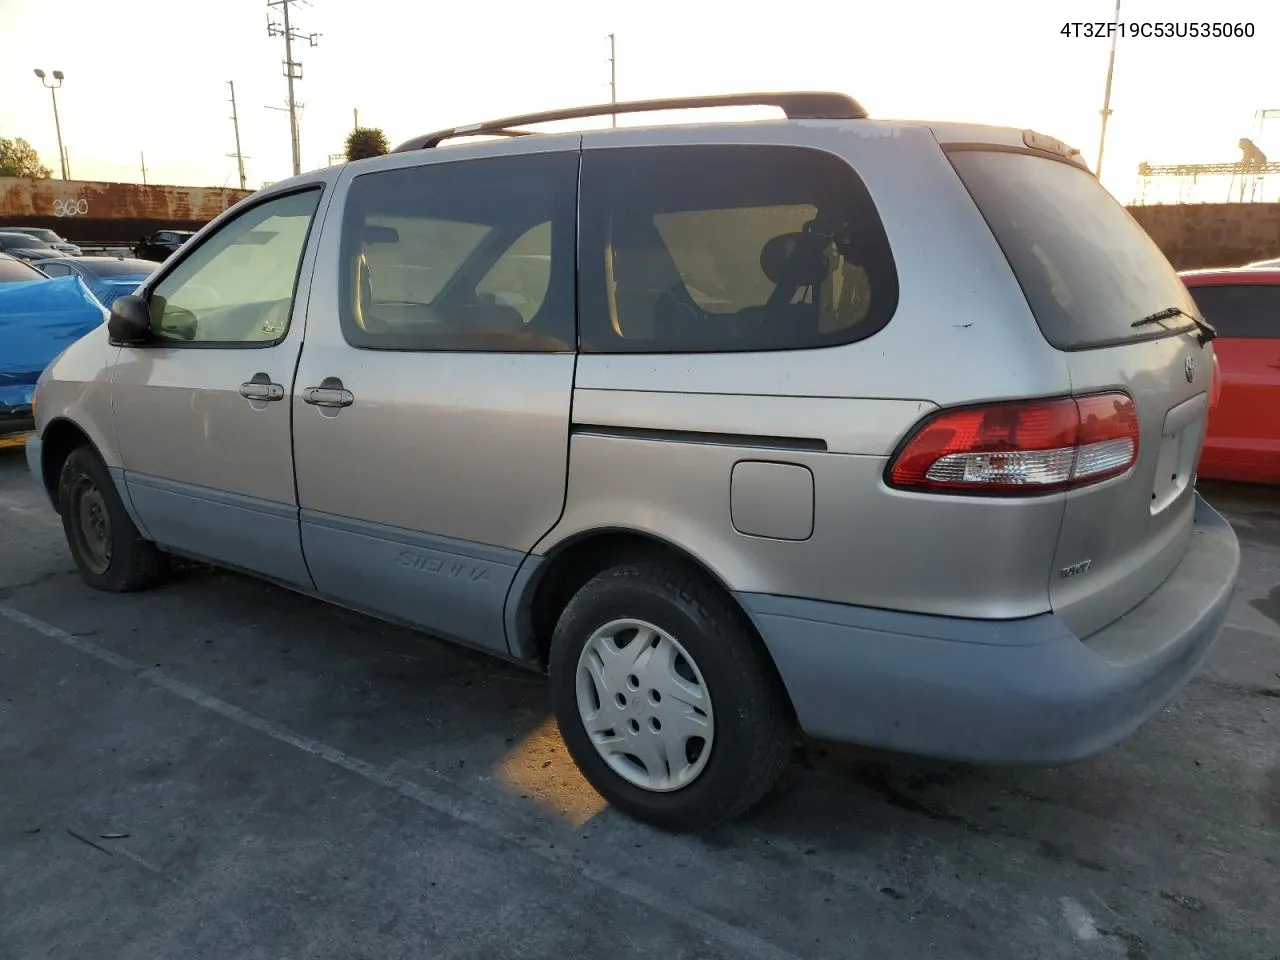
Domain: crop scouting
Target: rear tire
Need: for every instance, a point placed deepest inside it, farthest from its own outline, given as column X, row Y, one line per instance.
column 687, row 657
column 106, row 546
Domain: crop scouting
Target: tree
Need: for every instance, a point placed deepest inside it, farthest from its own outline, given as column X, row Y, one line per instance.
column 19, row 159
column 366, row 142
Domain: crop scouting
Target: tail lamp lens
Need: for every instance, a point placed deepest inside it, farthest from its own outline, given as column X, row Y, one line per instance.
column 1021, row 448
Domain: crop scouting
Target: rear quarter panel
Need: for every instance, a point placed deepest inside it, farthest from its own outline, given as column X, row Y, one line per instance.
column 962, row 333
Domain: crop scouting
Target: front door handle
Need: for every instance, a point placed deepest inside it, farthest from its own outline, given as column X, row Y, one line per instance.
column 261, row 391
column 261, row 388
column 330, row 393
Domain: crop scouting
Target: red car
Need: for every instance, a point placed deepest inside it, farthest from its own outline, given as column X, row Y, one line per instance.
column 1243, row 442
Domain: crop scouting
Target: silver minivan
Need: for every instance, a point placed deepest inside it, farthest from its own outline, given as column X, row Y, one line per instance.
column 883, row 432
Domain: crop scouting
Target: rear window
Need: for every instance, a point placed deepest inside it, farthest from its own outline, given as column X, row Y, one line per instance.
column 47, row 235
column 728, row 248
column 15, row 271
column 121, row 268
column 1248, row 311
column 22, row 241
column 1087, row 268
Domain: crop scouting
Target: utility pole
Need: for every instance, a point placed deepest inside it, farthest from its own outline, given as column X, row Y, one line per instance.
column 292, row 70
column 235, row 123
column 143, row 155
column 1106, row 97
column 355, row 118
column 613, row 77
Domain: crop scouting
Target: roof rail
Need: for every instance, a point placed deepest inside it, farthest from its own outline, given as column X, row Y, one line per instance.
column 797, row 106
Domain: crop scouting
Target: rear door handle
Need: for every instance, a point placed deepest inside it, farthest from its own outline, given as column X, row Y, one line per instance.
column 330, row 393
column 261, row 388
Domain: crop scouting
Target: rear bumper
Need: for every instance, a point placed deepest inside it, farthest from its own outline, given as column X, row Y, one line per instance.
column 34, row 459
column 16, row 423
column 16, row 416
column 1013, row 691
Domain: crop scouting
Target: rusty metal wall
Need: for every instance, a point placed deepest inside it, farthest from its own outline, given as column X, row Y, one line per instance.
column 1196, row 235
column 87, row 211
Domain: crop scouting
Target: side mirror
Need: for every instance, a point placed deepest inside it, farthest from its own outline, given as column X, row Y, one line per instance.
column 130, row 321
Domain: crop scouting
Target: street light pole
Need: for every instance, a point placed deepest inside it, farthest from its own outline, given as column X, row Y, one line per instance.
column 57, row 124
column 613, row 76
column 1106, row 97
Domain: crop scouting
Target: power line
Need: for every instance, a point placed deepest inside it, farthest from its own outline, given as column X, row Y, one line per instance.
column 292, row 69
column 235, row 123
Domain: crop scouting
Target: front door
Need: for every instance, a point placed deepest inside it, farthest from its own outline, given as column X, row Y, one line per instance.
column 202, row 412
column 431, row 411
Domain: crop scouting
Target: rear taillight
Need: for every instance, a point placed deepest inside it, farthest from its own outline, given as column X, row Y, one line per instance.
column 1020, row 448
column 1215, row 383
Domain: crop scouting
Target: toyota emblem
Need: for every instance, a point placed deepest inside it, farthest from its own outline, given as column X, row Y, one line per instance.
column 1189, row 368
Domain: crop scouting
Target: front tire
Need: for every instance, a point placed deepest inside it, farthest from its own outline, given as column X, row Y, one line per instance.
column 106, row 546
column 666, row 698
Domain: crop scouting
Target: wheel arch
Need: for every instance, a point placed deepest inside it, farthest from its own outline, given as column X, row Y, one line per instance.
column 60, row 437
column 546, row 583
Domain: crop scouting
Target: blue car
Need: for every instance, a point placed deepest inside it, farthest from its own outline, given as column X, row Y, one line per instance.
column 38, row 320
column 106, row 277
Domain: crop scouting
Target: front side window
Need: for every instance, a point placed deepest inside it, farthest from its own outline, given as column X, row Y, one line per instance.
column 729, row 248
column 238, row 285
column 468, row 255
column 1245, row 310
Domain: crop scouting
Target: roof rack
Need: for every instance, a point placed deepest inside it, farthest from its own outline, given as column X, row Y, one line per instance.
column 797, row 106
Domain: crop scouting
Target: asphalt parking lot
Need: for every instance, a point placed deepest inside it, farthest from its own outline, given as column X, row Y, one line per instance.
column 223, row 769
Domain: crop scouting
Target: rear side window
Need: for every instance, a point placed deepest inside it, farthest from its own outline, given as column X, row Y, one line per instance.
column 728, row 248
column 1248, row 311
column 474, row 255
column 1087, row 268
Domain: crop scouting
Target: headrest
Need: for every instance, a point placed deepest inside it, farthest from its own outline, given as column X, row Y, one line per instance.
column 795, row 259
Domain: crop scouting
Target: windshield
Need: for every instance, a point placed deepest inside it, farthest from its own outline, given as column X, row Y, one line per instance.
column 1087, row 268
column 21, row 241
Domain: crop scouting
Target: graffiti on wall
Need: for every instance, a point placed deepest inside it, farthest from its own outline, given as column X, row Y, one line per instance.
column 71, row 208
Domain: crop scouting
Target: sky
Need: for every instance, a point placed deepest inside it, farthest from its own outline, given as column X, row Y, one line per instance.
column 149, row 77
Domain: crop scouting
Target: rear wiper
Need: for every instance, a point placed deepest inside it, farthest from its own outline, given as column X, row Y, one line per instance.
column 1207, row 331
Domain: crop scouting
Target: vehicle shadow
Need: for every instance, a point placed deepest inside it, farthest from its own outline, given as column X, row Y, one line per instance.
column 423, row 708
